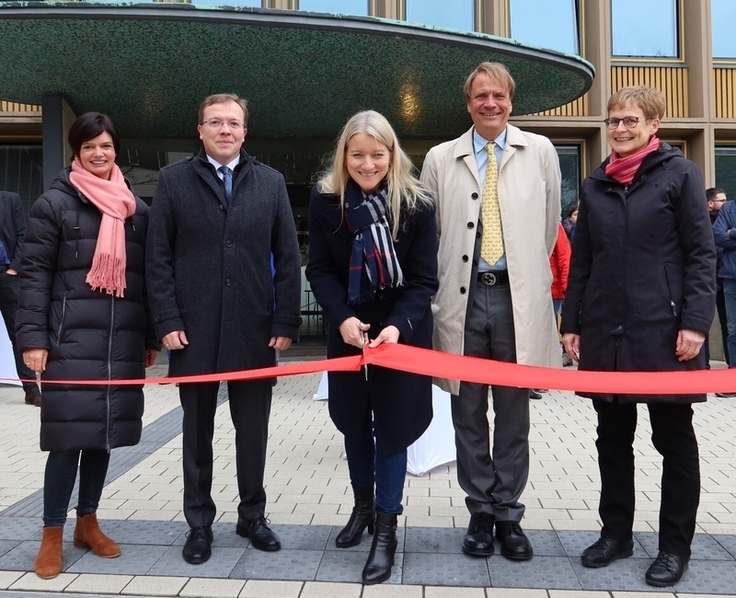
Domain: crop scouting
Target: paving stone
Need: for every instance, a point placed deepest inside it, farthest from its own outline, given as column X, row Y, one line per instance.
column 303, row 537
column 7, row 578
column 447, row 592
column 220, row 564
column 101, row 584
column 285, row 564
column 155, row 586
column 539, row 572
column 623, row 574
column 156, row 533
column 434, row 540
column 212, row 588
column 711, row 577
column 445, row 570
column 135, row 560
column 20, row 528
column 258, row 588
column 344, row 565
column 365, row 543
column 22, row 557
column 728, row 542
column 31, row 582
column 395, row 591
column 317, row 589
column 7, row 545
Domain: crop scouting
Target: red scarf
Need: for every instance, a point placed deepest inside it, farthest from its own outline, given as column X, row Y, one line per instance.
column 116, row 202
column 624, row 169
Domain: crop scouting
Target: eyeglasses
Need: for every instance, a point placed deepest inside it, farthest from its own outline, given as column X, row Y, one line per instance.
column 630, row 122
column 216, row 123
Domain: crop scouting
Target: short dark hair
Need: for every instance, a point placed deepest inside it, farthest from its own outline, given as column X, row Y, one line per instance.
column 88, row 126
column 711, row 194
column 224, row 98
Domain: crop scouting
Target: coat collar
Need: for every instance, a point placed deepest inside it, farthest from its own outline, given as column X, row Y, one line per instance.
column 465, row 150
column 208, row 174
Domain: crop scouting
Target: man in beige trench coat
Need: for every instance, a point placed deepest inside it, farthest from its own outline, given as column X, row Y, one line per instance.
column 500, row 310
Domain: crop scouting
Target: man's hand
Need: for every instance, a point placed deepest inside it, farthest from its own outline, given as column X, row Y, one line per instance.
column 150, row 357
column 280, row 343
column 174, row 341
column 571, row 342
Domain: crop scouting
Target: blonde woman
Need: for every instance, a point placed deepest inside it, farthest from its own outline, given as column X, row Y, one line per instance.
column 373, row 268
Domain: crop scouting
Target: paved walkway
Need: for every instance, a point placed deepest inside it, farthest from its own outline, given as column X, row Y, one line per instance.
column 309, row 498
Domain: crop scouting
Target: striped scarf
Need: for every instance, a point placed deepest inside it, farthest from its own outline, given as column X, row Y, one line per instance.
column 373, row 261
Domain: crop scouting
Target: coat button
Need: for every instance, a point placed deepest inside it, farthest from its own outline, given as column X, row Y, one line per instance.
column 228, row 243
column 228, row 282
column 222, row 207
column 463, row 290
column 470, row 225
column 474, row 195
column 465, row 258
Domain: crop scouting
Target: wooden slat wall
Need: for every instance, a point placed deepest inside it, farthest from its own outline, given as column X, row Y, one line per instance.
column 16, row 107
column 577, row 107
column 671, row 81
column 725, row 92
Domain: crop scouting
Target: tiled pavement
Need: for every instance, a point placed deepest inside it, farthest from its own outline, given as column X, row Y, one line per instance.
column 309, row 497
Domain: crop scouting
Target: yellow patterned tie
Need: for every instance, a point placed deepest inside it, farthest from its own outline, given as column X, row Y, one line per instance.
column 491, row 247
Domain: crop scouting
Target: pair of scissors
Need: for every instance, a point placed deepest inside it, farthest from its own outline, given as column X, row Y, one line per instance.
column 365, row 365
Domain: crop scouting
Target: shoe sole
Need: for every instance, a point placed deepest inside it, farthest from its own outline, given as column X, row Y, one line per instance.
column 516, row 557
column 199, row 561
column 243, row 533
column 623, row 555
column 664, row 584
column 476, row 552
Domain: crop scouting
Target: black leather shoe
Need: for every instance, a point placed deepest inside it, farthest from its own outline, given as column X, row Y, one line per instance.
column 605, row 551
column 33, row 397
column 514, row 543
column 534, row 395
column 197, row 549
column 261, row 536
column 667, row 569
column 479, row 537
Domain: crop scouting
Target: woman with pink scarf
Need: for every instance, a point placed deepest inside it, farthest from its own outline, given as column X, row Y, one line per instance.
column 82, row 315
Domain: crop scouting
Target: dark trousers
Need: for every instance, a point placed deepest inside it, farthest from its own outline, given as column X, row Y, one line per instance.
column 367, row 464
column 58, row 483
column 9, row 306
column 674, row 438
column 492, row 480
column 250, row 408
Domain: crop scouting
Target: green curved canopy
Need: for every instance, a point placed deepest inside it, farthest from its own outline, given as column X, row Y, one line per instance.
column 149, row 66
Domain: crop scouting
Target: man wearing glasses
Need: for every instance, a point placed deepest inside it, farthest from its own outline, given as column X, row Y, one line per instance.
column 716, row 197
column 216, row 221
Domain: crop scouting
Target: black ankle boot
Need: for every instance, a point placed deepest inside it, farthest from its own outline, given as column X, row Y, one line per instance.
column 363, row 516
column 381, row 557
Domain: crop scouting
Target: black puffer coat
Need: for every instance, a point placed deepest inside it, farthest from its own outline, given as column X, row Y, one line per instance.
column 89, row 334
column 643, row 268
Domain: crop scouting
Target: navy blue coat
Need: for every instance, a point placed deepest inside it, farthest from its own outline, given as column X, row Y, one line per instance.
column 89, row 334
column 726, row 241
column 643, row 268
column 401, row 402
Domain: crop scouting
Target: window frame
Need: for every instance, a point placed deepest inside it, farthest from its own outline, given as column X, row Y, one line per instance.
column 719, row 61
column 617, row 59
column 372, row 8
column 579, row 20
column 477, row 14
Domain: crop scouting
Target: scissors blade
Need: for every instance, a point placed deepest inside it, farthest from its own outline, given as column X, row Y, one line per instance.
column 365, row 365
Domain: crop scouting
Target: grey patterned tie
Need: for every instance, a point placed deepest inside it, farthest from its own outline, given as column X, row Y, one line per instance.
column 227, row 179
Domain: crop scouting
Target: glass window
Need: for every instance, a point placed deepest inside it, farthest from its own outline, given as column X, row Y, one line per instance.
column 723, row 17
column 459, row 14
column 21, row 171
column 726, row 169
column 546, row 23
column 570, row 156
column 345, row 7
column 645, row 29
column 218, row 3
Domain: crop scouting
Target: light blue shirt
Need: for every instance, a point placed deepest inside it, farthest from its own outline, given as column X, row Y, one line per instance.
column 481, row 161
column 230, row 165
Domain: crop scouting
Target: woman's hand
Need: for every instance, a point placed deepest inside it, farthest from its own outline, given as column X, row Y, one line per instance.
column 354, row 332
column 689, row 343
column 571, row 342
column 390, row 334
column 35, row 359
column 150, row 357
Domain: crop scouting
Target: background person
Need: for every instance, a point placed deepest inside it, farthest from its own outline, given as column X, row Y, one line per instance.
column 217, row 221
column 716, row 197
column 82, row 316
column 641, row 297
column 494, row 300
column 373, row 268
column 12, row 231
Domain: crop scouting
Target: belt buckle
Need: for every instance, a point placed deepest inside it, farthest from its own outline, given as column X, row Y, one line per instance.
column 488, row 278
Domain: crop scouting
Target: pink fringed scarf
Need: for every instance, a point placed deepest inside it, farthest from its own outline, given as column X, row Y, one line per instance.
column 623, row 170
column 116, row 202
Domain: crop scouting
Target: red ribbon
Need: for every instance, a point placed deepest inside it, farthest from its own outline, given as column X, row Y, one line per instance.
column 470, row 369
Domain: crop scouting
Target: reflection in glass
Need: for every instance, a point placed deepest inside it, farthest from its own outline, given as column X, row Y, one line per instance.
column 218, row 3
column 571, row 169
column 645, row 29
column 546, row 23
column 458, row 14
column 726, row 169
column 345, row 7
column 723, row 17
column 21, row 171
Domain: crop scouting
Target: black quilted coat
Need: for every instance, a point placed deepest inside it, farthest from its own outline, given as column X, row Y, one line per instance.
column 89, row 334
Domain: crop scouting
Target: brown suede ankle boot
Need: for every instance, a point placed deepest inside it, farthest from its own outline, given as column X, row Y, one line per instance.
column 87, row 534
column 48, row 559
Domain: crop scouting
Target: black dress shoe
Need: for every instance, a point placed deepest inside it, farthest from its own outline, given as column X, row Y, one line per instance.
column 479, row 537
column 667, row 569
column 197, row 549
column 514, row 543
column 605, row 551
column 261, row 536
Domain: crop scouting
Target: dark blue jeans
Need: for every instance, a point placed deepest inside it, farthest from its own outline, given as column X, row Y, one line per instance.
column 58, row 483
column 729, row 293
column 367, row 465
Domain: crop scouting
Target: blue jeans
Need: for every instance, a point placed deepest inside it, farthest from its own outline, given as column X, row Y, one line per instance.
column 58, row 483
column 729, row 293
column 367, row 464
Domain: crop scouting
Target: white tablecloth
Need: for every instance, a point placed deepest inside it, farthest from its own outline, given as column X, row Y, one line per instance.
column 7, row 362
column 436, row 446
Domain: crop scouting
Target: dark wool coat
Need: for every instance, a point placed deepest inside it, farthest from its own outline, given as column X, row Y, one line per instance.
column 643, row 268
column 89, row 334
column 401, row 402
column 209, row 268
column 12, row 226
